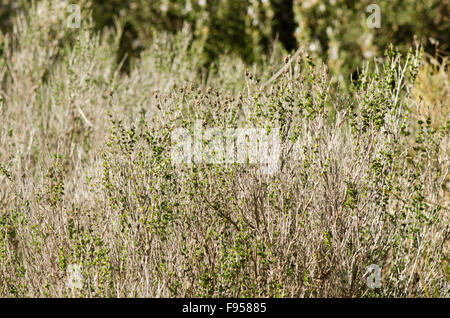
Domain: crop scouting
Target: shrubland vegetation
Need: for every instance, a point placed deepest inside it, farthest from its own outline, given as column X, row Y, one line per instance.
column 86, row 175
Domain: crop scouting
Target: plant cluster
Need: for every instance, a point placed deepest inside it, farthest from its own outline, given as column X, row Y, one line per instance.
column 87, row 181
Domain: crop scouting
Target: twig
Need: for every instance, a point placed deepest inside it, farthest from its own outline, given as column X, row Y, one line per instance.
column 282, row 69
column 84, row 117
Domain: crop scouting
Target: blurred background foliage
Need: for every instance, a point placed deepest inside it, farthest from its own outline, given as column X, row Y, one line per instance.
column 334, row 31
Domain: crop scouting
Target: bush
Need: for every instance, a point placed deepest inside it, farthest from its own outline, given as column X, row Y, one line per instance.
column 338, row 31
column 240, row 27
column 94, row 205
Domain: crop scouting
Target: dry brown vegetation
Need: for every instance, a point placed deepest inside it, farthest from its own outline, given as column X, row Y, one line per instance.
column 86, row 175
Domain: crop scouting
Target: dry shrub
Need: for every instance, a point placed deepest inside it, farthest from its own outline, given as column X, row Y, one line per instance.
column 432, row 106
column 88, row 179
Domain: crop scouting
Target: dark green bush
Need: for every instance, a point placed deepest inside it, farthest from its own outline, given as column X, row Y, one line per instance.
column 340, row 35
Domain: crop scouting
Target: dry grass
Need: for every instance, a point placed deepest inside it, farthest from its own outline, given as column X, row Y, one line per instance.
column 432, row 96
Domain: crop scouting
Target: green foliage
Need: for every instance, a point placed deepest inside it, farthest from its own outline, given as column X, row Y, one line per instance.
column 340, row 35
column 239, row 27
column 335, row 31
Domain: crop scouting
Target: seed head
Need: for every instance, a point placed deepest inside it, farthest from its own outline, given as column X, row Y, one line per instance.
column 248, row 74
column 286, row 59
